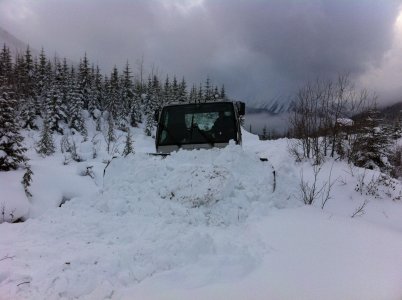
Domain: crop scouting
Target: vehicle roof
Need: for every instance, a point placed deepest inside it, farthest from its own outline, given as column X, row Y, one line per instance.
column 197, row 103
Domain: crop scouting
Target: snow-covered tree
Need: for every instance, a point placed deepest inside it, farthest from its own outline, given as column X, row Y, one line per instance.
column 114, row 96
column 55, row 108
column 110, row 135
column 128, row 147
column 208, row 93
column 223, row 93
column 182, row 91
column 45, row 144
column 5, row 67
column 193, row 97
column 129, row 105
column 84, row 81
column 75, row 105
column 371, row 148
column 98, row 92
column 153, row 101
column 42, row 83
column 11, row 148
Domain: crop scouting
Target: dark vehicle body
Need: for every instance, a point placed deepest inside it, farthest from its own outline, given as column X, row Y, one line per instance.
column 198, row 126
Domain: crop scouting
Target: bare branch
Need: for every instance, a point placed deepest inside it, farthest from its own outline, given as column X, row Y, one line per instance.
column 360, row 210
column 7, row 257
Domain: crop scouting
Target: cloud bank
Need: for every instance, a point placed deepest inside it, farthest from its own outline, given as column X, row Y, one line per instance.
column 260, row 50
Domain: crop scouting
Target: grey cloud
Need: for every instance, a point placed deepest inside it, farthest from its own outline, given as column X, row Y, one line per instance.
column 259, row 49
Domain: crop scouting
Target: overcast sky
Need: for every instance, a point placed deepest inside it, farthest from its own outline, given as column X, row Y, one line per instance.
column 260, row 50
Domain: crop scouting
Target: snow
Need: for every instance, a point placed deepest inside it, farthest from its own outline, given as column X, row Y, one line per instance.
column 203, row 224
column 12, row 191
column 345, row 121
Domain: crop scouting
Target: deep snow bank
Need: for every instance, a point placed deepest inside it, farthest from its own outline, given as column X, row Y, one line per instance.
column 225, row 184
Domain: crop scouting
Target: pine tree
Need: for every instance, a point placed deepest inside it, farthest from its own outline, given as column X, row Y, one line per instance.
column 128, row 148
column 175, row 90
column 55, row 108
column 182, row 92
column 151, row 105
column 207, row 91
column 43, row 78
column 200, row 96
column 264, row 133
column 84, row 81
column 45, row 145
column 110, row 137
column 11, row 148
column 28, row 111
column 223, row 93
column 216, row 94
column 129, row 106
column 193, row 95
column 75, row 105
column 98, row 90
column 372, row 144
column 5, row 67
column 167, row 92
column 114, row 96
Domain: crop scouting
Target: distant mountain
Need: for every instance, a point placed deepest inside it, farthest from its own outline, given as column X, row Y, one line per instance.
column 14, row 44
column 274, row 107
column 17, row 46
column 393, row 111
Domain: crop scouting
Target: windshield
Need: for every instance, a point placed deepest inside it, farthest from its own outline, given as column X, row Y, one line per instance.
column 197, row 124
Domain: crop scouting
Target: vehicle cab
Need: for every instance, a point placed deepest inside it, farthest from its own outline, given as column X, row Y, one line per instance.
column 198, row 125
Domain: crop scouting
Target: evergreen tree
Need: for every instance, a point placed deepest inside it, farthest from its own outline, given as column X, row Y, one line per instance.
column 113, row 98
column 28, row 111
column 5, row 67
column 45, row 145
column 372, row 144
column 151, row 105
column 18, row 76
column 43, row 78
column 98, row 90
column 128, row 147
column 193, row 95
column 182, row 92
column 129, row 105
column 92, row 94
column 175, row 90
column 200, row 96
column 11, row 148
column 223, row 93
column 264, row 133
column 84, row 82
column 167, row 92
column 75, row 105
column 208, row 94
column 55, row 108
column 110, row 137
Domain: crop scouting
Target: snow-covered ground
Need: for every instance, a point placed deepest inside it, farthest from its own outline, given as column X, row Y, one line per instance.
column 199, row 225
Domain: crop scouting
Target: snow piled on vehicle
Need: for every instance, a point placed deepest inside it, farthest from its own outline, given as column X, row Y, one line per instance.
column 223, row 184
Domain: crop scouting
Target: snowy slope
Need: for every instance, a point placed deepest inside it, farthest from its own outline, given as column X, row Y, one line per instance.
column 200, row 225
column 15, row 45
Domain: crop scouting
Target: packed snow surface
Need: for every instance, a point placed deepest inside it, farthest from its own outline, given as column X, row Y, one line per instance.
column 203, row 224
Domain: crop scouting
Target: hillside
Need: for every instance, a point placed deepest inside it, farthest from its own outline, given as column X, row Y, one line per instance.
column 14, row 44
